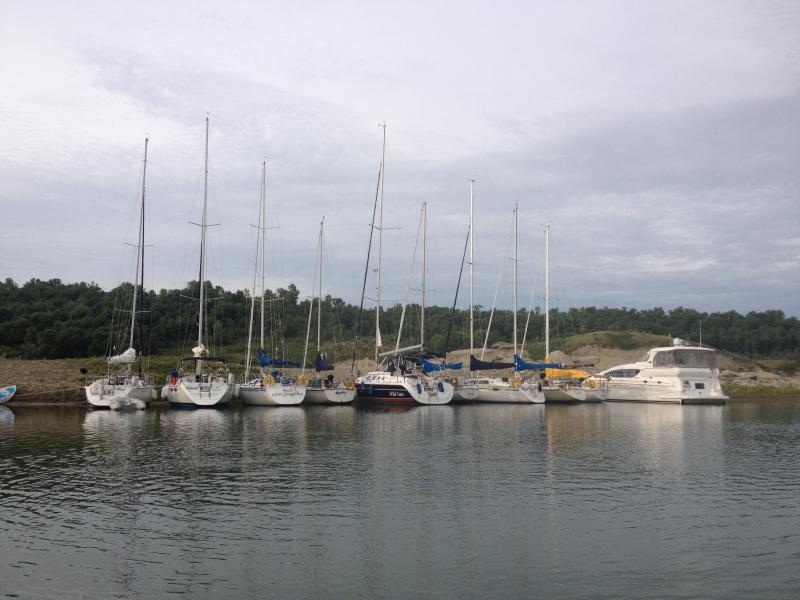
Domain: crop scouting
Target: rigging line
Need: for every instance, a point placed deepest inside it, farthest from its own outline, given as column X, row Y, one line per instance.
column 497, row 289
column 458, row 286
column 530, row 300
column 366, row 270
column 408, row 286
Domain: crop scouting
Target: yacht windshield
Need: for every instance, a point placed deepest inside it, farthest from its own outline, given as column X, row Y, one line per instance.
column 703, row 359
column 624, row 373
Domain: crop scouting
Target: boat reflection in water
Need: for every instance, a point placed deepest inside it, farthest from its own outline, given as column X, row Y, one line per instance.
column 6, row 418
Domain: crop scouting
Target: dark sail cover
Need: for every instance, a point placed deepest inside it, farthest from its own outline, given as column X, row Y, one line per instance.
column 481, row 365
column 521, row 365
column 429, row 367
column 321, row 362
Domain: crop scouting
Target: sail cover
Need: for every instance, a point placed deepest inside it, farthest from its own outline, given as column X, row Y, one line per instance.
column 265, row 361
column 429, row 367
column 521, row 365
column 125, row 358
column 321, row 362
column 481, row 365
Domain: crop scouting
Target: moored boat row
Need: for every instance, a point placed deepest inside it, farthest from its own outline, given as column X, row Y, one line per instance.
column 409, row 375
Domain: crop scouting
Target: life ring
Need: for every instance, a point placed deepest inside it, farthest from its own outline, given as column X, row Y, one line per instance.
column 302, row 380
column 516, row 382
column 591, row 384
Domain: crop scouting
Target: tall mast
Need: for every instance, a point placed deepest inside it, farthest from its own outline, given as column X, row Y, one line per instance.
column 424, row 265
column 139, row 251
column 319, row 298
column 516, row 257
column 471, row 267
column 263, row 226
column 380, row 248
column 259, row 233
column 546, row 293
column 198, row 363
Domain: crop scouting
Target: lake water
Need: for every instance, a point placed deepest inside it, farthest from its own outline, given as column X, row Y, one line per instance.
column 482, row 501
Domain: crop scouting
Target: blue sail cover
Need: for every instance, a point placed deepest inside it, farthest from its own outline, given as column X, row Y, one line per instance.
column 266, row 361
column 521, row 365
column 429, row 367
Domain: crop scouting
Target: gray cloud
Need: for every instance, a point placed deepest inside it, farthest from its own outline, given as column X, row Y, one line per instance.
column 668, row 183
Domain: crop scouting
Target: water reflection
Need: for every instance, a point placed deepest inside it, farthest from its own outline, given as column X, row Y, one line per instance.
column 440, row 501
column 6, row 418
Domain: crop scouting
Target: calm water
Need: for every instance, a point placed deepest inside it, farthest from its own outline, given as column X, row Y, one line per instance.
column 614, row 500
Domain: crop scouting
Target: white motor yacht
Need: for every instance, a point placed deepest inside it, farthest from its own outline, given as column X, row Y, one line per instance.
column 677, row 373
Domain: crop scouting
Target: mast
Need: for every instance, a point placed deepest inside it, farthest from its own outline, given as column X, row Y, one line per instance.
column 203, row 225
column 319, row 298
column 248, row 356
column 424, row 249
column 546, row 293
column 139, row 251
column 378, row 342
column 471, row 268
column 263, row 226
column 516, row 257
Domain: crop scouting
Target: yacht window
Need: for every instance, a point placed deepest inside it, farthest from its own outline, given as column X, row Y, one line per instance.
column 704, row 359
column 624, row 373
column 645, row 358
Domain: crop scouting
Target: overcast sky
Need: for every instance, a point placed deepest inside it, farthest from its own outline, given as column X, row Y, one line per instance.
column 660, row 140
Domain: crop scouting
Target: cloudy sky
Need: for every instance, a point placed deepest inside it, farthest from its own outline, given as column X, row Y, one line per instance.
column 660, row 140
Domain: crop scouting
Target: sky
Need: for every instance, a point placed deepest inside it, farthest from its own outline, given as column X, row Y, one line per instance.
column 659, row 140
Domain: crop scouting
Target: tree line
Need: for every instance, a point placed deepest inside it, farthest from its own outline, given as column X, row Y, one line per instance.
column 52, row 319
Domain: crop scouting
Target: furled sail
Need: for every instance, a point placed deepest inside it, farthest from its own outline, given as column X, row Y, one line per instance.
column 521, row 365
column 429, row 367
column 481, row 365
column 199, row 351
column 125, row 358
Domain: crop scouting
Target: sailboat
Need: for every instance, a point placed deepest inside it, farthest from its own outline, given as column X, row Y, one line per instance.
column 502, row 389
column 322, row 389
column 205, row 381
column 120, row 387
column 404, row 380
column 273, row 388
column 564, row 385
column 465, row 388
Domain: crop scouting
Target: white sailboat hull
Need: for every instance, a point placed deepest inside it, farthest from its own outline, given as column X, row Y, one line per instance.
column 340, row 395
column 201, row 395
column 275, row 394
column 571, row 394
column 465, row 393
column 104, row 394
column 503, row 392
